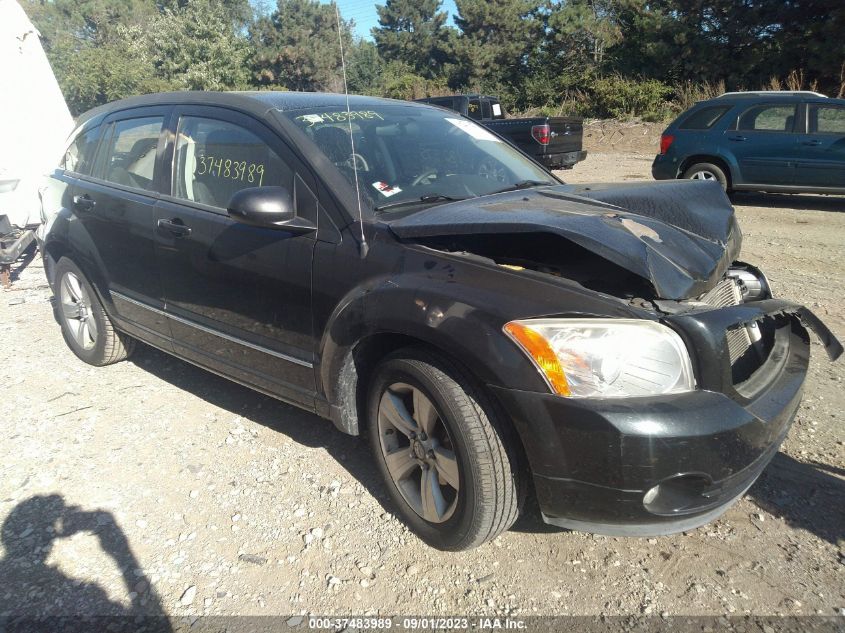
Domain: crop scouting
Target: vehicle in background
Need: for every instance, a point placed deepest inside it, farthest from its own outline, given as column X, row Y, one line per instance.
column 555, row 142
column 776, row 141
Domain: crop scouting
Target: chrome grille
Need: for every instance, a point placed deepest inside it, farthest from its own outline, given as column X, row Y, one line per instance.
column 728, row 293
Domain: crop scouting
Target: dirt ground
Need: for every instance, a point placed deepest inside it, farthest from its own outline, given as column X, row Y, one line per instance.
column 152, row 486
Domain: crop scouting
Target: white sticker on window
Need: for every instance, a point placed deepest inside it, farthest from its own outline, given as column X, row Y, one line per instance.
column 385, row 189
column 312, row 118
column 474, row 130
column 497, row 109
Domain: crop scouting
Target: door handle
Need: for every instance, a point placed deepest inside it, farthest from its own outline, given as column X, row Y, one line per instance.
column 83, row 202
column 811, row 142
column 175, row 227
column 738, row 138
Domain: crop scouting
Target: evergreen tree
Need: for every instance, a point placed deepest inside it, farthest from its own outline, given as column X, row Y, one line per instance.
column 497, row 37
column 414, row 32
column 297, row 46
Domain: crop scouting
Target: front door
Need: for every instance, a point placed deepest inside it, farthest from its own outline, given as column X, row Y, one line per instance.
column 821, row 160
column 763, row 142
column 239, row 296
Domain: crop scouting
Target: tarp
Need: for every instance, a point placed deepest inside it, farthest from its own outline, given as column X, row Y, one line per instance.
column 34, row 118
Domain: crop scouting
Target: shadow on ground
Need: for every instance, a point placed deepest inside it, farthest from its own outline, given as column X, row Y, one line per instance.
column 809, row 496
column 789, row 201
column 36, row 596
column 302, row 427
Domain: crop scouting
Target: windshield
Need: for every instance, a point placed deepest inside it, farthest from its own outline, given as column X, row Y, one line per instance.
column 410, row 156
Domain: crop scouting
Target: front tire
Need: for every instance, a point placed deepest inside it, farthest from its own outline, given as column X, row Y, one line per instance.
column 447, row 461
column 708, row 171
column 86, row 327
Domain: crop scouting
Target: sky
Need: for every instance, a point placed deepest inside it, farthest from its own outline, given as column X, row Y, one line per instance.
column 365, row 15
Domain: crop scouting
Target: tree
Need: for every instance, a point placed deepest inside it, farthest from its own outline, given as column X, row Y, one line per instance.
column 497, row 37
column 414, row 32
column 195, row 47
column 297, row 46
column 364, row 68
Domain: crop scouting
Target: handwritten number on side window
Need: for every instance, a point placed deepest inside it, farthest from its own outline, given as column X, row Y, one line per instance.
column 231, row 169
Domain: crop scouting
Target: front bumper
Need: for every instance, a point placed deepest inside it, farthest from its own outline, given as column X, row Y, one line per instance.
column 664, row 464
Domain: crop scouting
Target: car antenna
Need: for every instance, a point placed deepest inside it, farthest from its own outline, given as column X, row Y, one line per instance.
column 364, row 246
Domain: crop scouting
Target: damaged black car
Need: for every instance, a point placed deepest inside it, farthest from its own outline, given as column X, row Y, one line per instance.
column 409, row 275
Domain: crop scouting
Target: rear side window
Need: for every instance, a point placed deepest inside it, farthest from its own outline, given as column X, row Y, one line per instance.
column 704, row 119
column 768, row 118
column 79, row 156
column 474, row 109
column 215, row 159
column 130, row 156
column 826, row 119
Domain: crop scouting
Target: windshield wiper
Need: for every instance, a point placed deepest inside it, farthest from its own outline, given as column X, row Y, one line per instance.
column 523, row 184
column 434, row 197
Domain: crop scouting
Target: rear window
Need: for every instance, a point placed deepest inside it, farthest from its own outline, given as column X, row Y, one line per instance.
column 131, row 152
column 768, row 118
column 79, row 156
column 705, row 118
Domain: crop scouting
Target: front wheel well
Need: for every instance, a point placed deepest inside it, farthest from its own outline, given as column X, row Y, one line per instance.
column 706, row 158
column 351, row 384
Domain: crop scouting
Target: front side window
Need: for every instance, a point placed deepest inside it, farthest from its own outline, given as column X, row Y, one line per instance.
column 215, row 159
column 416, row 154
column 79, row 156
column 704, row 119
column 826, row 119
column 768, row 118
column 130, row 156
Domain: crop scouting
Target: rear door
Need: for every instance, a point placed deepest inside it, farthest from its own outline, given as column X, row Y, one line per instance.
column 239, row 296
column 821, row 159
column 763, row 141
column 115, row 204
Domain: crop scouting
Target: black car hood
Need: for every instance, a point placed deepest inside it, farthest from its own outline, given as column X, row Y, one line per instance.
column 680, row 236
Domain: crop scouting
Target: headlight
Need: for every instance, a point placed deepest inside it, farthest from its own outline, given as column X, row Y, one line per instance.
column 605, row 358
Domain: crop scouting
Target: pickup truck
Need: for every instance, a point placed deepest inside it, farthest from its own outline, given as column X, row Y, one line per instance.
column 554, row 142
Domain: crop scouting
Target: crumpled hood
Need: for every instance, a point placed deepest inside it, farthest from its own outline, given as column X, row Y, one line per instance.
column 681, row 236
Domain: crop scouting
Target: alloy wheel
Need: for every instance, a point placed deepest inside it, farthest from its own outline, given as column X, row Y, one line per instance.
column 703, row 175
column 419, row 452
column 76, row 311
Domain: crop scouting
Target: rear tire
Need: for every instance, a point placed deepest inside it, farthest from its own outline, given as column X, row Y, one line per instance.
column 86, row 328
column 708, row 171
column 453, row 472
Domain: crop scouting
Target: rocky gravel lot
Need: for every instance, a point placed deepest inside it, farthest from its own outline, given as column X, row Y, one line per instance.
column 152, row 486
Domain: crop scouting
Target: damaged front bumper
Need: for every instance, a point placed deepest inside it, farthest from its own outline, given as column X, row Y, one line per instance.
column 664, row 464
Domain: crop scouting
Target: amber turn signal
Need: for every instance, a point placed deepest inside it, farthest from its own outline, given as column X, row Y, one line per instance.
column 541, row 353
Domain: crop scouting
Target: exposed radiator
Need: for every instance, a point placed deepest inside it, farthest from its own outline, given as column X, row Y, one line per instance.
column 728, row 293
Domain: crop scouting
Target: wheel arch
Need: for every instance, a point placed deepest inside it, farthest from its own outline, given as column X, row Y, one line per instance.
column 719, row 161
column 369, row 326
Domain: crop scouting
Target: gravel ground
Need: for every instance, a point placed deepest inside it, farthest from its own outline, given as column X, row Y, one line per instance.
column 153, row 486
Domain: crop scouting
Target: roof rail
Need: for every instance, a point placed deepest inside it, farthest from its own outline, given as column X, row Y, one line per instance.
column 763, row 93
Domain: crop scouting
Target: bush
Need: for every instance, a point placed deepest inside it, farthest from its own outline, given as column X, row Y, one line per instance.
column 618, row 97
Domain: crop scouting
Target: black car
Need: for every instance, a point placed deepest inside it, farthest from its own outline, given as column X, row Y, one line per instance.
column 780, row 141
column 599, row 347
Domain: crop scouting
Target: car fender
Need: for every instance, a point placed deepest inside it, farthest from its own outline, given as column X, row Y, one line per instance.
column 428, row 304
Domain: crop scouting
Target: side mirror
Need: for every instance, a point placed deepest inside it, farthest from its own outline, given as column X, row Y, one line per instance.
column 270, row 207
